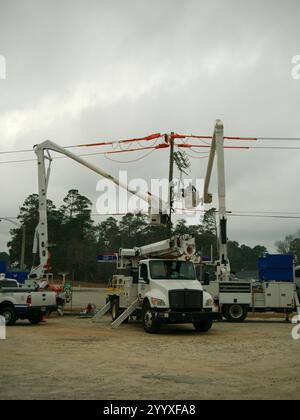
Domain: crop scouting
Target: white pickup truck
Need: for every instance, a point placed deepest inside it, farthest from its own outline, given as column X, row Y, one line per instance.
column 21, row 303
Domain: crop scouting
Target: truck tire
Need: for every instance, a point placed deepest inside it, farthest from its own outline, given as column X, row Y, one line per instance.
column 34, row 320
column 150, row 323
column 203, row 326
column 10, row 315
column 235, row 312
column 116, row 311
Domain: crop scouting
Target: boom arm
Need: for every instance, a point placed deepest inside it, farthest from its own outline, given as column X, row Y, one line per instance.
column 217, row 148
column 41, row 237
column 179, row 247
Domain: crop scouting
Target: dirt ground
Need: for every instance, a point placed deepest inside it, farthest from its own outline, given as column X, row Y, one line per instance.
column 71, row 358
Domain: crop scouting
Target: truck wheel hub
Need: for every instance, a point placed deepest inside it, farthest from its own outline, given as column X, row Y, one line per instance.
column 236, row 311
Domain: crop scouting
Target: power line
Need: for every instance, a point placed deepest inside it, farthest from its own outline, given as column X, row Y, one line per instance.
column 230, row 214
column 104, row 154
column 266, row 212
column 130, row 161
column 158, row 135
column 103, row 143
column 279, row 138
column 263, row 216
column 274, row 147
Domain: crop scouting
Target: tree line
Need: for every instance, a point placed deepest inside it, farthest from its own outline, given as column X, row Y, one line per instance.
column 75, row 239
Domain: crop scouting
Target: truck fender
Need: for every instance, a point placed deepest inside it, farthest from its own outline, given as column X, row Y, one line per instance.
column 8, row 301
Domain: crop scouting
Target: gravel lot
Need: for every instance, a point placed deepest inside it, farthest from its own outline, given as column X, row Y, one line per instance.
column 71, row 358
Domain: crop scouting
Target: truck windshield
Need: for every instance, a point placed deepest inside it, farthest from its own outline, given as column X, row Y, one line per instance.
column 172, row 270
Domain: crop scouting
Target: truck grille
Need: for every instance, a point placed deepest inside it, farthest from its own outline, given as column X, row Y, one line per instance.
column 186, row 299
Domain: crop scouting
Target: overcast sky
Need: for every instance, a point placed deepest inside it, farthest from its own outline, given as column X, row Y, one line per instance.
column 84, row 71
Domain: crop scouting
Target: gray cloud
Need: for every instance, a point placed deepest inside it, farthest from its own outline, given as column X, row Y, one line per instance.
column 85, row 71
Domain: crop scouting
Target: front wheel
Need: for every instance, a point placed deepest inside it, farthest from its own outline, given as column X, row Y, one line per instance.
column 150, row 323
column 203, row 326
column 9, row 315
column 235, row 312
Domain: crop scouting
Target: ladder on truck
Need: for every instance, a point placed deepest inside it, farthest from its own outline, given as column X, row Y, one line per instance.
column 99, row 314
column 117, row 322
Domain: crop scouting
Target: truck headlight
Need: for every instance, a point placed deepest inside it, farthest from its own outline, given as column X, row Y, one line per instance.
column 157, row 302
column 209, row 302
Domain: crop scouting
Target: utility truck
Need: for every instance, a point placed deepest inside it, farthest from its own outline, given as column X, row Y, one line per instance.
column 234, row 297
column 156, row 283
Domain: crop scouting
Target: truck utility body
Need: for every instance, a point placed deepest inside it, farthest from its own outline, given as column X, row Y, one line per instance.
column 158, row 290
column 24, row 303
column 237, row 298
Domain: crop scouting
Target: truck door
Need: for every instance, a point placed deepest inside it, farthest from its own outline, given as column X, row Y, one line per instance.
column 143, row 284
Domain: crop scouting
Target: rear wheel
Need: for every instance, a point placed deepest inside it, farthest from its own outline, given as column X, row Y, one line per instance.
column 203, row 326
column 235, row 312
column 9, row 314
column 150, row 323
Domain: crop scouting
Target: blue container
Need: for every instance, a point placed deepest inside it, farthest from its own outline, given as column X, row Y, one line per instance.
column 276, row 267
column 2, row 266
column 20, row 276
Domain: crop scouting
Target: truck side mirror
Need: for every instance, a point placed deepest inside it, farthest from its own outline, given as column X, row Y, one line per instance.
column 146, row 279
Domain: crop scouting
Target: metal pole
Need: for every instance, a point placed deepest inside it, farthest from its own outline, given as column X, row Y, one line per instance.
column 22, row 263
column 171, row 172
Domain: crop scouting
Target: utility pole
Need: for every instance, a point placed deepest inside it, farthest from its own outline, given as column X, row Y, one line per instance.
column 171, row 172
column 22, row 262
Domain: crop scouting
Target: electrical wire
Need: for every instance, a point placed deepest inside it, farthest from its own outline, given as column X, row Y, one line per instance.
column 281, row 215
column 273, row 148
column 130, row 161
column 104, row 154
column 197, row 157
column 266, row 212
column 155, row 136
column 120, row 144
column 158, row 135
column 263, row 216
